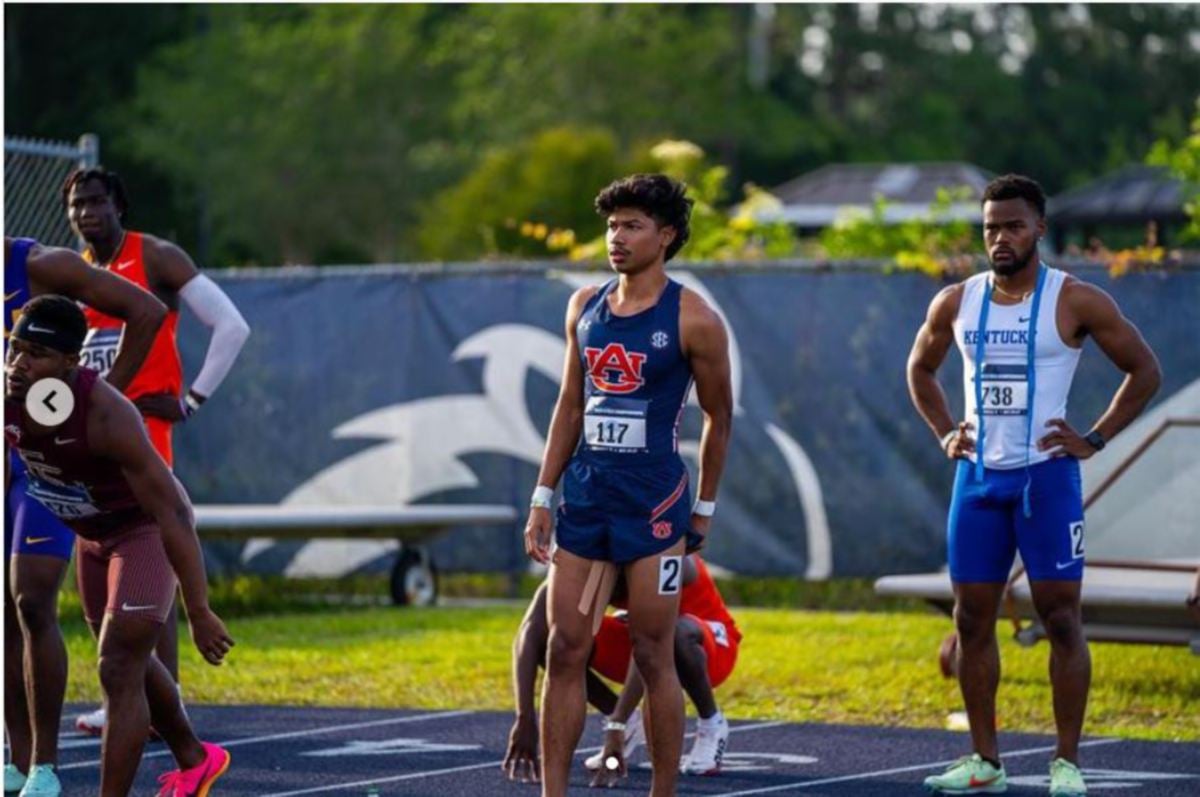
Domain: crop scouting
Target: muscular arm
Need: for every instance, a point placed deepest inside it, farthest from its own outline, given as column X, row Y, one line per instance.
column 706, row 346
column 567, row 422
column 928, row 352
column 1100, row 317
column 119, row 434
column 529, row 653
column 63, row 272
column 168, row 268
column 631, row 693
column 175, row 277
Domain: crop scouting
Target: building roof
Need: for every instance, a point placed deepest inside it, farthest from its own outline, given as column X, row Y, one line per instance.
column 1130, row 195
column 817, row 199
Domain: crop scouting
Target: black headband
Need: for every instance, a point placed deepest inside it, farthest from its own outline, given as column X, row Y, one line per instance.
column 29, row 330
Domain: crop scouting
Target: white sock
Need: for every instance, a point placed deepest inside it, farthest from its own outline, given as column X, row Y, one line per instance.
column 711, row 722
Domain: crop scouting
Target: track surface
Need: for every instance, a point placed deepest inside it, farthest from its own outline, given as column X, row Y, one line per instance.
column 280, row 752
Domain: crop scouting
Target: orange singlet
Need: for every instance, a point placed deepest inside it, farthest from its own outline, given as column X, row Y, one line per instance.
column 162, row 372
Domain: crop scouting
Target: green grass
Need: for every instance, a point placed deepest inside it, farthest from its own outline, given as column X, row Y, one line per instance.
column 801, row 665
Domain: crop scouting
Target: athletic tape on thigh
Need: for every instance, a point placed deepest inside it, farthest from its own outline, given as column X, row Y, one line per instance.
column 596, row 592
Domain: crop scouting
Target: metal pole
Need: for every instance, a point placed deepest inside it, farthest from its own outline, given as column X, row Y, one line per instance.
column 89, row 151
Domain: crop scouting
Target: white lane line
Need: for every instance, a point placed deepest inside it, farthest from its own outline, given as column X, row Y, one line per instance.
column 293, row 734
column 467, row 768
column 804, row 784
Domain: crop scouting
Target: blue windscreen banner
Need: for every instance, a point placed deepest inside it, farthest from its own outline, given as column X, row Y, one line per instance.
column 410, row 385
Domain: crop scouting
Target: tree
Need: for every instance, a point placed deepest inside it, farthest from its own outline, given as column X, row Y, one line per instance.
column 519, row 196
column 1183, row 161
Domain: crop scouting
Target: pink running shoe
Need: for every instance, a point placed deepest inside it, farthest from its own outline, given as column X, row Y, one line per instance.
column 196, row 782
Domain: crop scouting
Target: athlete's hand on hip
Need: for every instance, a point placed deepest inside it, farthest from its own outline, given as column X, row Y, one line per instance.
column 521, row 760
column 608, row 775
column 160, row 405
column 700, row 526
column 1065, row 441
column 209, row 635
column 537, row 535
column 962, row 444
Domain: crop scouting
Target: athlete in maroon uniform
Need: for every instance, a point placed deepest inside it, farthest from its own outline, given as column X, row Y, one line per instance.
column 97, row 471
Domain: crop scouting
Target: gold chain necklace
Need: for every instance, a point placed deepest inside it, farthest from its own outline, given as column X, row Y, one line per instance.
column 1020, row 298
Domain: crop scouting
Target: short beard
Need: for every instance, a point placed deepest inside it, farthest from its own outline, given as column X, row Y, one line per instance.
column 1017, row 264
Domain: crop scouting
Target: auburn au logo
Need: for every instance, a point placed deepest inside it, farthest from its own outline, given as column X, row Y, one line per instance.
column 614, row 370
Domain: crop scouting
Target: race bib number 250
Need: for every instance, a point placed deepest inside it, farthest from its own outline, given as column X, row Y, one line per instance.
column 100, row 350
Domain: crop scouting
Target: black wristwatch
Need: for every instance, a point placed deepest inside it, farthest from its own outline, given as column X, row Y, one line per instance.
column 1095, row 440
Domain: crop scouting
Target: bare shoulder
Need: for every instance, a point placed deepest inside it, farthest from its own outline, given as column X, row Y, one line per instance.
column 578, row 300
column 696, row 313
column 943, row 308
column 160, row 247
column 42, row 256
column 171, row 267
column 1087, row 301
column 1076, row 290
column 106, row 402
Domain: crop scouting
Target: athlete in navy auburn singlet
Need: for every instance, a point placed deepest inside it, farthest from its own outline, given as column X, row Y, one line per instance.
column 634, row 348
column 625, row 492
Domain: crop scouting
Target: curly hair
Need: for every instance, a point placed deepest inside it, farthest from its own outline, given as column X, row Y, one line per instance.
column 658, row 196
column 1016, row 186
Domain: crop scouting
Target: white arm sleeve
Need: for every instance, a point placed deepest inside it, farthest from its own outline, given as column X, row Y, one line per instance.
column 229, row 331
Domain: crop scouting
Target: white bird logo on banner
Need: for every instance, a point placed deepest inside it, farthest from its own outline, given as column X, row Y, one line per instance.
column 422, row 443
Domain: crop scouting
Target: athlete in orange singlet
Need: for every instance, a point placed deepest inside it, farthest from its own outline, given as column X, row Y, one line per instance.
column 96, row 204
column 706, row 647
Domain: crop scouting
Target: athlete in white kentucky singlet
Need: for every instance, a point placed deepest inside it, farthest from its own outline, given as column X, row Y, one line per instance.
column 1017, row 487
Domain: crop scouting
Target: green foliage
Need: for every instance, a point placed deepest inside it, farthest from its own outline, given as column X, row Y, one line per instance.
column 717, row 234
column 315, row 128
column 937, row 243
column 520, row 195
column 1183, row 161
column 301, row 133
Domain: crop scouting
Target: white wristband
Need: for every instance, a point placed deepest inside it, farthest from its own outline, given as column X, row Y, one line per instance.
column 542, row 496
column 947, row 437
column 704, row 508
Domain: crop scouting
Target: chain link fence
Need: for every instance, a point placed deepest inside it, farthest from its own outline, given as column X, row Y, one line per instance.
column 34, row 170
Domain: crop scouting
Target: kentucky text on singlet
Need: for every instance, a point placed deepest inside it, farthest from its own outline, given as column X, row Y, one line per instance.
column 1005, row 388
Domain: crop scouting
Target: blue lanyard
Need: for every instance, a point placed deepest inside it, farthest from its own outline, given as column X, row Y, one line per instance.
column 1030, row 377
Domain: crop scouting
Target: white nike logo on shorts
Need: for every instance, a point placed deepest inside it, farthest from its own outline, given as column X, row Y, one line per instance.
column 1065, row 565
column 125, row 607
column 61, row 442
column 36, row 328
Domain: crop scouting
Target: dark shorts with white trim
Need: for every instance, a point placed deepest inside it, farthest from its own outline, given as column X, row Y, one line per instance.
column 620, row 513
